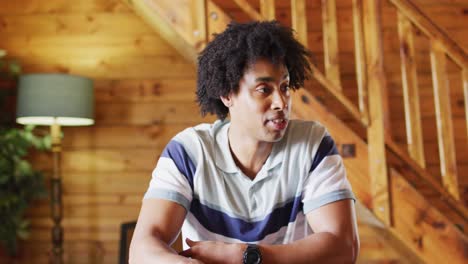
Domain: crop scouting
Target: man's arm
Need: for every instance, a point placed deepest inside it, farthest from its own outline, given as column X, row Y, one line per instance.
column 335, row 240
column 157, row 227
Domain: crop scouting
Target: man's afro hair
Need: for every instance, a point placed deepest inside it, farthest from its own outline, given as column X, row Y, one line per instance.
column 223, row 62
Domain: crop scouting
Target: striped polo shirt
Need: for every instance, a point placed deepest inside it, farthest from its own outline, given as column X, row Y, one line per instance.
column 303, row 172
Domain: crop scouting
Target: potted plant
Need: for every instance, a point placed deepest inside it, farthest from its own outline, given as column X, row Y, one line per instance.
column 20, row 184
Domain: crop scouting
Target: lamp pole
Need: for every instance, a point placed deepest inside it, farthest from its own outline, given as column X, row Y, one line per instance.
column 55, row 100
column 56, row 195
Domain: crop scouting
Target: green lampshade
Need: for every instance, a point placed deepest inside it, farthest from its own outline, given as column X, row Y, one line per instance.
column 47, row 98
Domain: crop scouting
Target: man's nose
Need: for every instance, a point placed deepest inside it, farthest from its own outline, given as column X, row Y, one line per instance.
column 280, row 101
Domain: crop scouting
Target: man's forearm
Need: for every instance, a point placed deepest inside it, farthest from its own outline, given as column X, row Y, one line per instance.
column 316, row 248
column 152, row 250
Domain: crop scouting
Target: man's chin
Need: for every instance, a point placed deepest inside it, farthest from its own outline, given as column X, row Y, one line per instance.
column 276, row 136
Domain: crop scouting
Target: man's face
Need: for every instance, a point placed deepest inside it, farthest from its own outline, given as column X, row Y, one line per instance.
column 260, row 109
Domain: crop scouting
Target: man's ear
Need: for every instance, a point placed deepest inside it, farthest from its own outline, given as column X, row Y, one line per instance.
column 227, row 101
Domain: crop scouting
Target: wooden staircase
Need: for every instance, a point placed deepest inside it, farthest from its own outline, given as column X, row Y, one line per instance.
column 427, row 217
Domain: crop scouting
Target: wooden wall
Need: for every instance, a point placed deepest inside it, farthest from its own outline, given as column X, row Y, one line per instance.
column 144, row 95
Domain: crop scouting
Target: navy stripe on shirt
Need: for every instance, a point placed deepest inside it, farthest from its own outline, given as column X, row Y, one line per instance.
column 327, row 147
column 176, row 151
column 221, row 223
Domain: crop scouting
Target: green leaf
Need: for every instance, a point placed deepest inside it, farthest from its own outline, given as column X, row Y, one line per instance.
column 29, row 127
column 23, row 169
column 4, row 178
column 20, row 184
column 22, row 230
column 15, row 68
column 46, row 143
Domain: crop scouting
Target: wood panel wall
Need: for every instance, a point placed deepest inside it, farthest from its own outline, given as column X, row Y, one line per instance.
column 145, row 94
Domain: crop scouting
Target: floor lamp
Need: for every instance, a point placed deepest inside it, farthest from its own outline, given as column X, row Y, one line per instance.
column 55, row 100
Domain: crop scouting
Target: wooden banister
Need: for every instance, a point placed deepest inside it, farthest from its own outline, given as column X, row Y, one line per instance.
column 338, row 94
column 410, row 91
column 199, row 23
column 173, row 29
column 410, row 15
column 378, row 121
column 448, row 162
column 267, row 9
column 299, row 24
column 426, row 25
column 361, row 68
column 216, row 20
column 299, row 20
column 330, row 42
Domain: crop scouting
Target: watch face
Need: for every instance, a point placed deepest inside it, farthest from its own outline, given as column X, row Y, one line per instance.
column 252, row 255
column 252, row 258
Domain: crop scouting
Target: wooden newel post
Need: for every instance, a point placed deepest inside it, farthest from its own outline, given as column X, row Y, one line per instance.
column 56, row 196
column 378, row 111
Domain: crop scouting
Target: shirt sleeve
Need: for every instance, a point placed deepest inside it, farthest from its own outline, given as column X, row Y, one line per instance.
column 326, row 182
column 172, row 179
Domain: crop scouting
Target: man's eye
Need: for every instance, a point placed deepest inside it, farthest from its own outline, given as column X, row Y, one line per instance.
column 285, row 88
column 262, row 89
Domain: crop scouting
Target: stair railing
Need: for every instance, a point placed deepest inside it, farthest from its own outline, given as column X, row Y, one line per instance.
column 373, row 109
column 196, row 21
column 410, row 17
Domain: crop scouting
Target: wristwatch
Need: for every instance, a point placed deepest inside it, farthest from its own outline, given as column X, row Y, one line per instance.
column 252, row 255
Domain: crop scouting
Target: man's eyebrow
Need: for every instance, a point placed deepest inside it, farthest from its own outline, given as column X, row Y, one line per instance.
column 269, row 78
column 265, row 79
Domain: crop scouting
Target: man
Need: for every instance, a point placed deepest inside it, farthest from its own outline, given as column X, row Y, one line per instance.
column 257, row 188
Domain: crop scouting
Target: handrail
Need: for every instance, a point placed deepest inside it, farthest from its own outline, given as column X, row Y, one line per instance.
column 338, row 94
column 413, row 13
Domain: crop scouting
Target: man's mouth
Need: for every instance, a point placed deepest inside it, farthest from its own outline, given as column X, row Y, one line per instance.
column 278, row 123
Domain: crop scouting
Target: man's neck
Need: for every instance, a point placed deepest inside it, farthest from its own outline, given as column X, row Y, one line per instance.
column 249, row 154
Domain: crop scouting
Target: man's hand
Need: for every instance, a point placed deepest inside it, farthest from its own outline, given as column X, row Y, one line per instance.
column 190, row 261
column 211, row 252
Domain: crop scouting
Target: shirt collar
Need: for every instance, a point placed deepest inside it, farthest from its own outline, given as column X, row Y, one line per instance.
column 223, row 156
